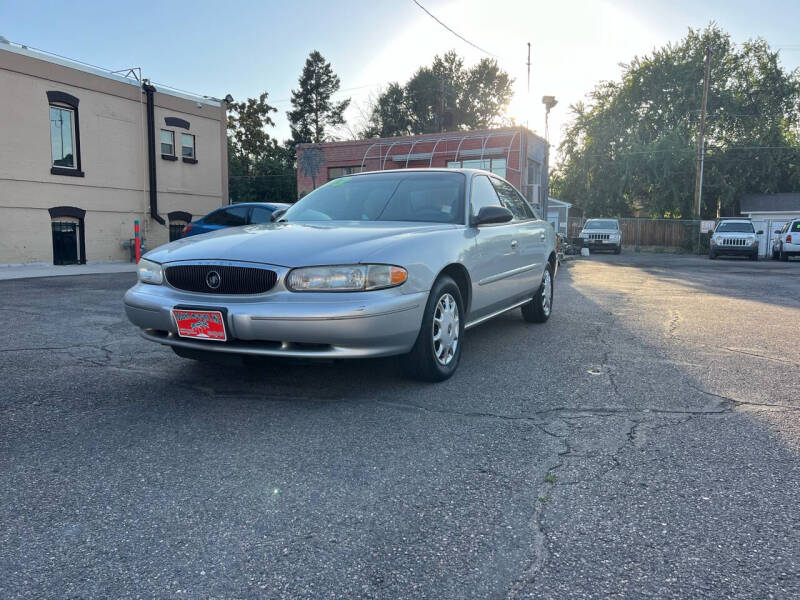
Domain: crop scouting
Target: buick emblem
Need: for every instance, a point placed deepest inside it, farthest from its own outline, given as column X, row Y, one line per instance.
column 213, row 279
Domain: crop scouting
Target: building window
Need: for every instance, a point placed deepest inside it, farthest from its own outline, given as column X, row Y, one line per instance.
column 534, row 182
column 187, row 145
column 336, row 172
column 62, row 136
column 493, row 165
column 167, row 142
column 65, row 137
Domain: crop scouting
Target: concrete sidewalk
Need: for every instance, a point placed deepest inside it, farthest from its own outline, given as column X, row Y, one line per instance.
column 47, row 270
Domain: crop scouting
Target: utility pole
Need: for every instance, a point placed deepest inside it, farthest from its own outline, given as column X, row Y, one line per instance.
column 698, row 186
column 529, row 79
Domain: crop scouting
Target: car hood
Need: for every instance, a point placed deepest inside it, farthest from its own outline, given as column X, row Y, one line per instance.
column 599, row 231
column 294, row 244
column 735, row 234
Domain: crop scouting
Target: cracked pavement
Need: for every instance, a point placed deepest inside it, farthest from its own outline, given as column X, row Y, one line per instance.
column 643, row 442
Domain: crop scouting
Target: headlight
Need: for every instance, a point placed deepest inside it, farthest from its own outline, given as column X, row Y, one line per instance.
column 614, row 236
column 583, row 235
column 149, row 272
column 345, row 278
column 714, row 241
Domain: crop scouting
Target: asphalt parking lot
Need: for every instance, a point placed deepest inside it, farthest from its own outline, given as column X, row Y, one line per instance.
column 643, row 442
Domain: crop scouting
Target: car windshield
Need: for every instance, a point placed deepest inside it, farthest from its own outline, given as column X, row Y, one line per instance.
column 402, row 196
column 609, row 224
column 736, row 227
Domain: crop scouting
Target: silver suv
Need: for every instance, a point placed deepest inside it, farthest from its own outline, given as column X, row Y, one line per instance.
column 602, row 234
column 735, row 237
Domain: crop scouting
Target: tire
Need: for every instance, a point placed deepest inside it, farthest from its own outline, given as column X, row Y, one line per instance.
column 431, row 359
column 774, row 255
column 753, row 257
column 540, row 308
column 618, row 250
column 712, row 255
column 782, row 256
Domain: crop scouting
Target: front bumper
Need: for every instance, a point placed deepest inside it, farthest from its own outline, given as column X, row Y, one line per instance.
column 608, row 244
column 283, row 323
column 720, row 250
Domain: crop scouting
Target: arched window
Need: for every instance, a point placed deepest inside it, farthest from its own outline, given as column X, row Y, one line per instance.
column 69, row 239
column 65, row 134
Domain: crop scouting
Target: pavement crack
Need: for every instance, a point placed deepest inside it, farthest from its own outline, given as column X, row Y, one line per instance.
column 735, row 402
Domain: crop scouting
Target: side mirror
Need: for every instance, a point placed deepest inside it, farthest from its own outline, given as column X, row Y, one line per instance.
column 277, row 214
column 492, row 214
column 760, row 232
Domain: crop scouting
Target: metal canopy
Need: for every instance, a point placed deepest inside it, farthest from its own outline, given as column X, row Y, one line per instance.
column 404, row 149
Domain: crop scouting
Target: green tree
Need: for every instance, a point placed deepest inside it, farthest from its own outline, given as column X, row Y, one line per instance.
column 314, row 113
column 633, row 145
column 445, row 96
column 259, row 169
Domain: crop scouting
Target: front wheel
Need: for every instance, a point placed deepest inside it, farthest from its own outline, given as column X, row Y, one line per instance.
column 712, row 255
column 538, row 310
column 618, row 249
column 437, row 351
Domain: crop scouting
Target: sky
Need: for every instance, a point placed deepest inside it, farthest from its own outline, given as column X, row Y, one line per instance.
column 246, row 48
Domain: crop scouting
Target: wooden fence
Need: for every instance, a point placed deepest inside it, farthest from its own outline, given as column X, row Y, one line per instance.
column 655, row 233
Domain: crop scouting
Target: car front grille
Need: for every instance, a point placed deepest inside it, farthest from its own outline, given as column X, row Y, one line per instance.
column 598, row 236
column 734, row 242
column 221, row 279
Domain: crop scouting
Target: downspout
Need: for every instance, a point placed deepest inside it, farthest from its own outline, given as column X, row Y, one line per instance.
column 151, row 151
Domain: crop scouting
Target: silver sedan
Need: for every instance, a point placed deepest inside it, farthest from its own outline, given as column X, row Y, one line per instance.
column 397, row 262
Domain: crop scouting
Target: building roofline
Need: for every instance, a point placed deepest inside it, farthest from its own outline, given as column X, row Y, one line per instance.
column 23, row 50
column 422, row 136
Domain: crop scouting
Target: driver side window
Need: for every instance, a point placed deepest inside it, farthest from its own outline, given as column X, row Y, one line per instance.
column 482, row 194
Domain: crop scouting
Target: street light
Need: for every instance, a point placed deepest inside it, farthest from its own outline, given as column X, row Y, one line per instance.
column 549, row 102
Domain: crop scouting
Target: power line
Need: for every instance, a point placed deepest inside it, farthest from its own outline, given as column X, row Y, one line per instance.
column 458, row 35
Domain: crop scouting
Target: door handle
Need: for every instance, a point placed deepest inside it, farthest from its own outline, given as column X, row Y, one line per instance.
column 513, row 243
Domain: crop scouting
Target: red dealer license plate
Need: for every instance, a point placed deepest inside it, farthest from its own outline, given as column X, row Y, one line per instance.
column 200, row 324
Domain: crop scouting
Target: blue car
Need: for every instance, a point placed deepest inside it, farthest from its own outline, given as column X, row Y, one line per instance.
column 235, row 215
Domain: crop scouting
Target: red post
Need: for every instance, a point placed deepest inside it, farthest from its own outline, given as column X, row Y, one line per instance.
column 138, row 240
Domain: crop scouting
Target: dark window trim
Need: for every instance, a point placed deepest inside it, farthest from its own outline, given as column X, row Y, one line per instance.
column 176, row 122
column 169, row 157
column 56, row 97
column 66, row 171
column 179, row 215
column 191, row 161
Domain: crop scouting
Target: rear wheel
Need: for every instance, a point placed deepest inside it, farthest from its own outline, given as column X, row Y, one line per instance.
column 539, row 309
column 774, row 255
column 437, row 351
column 782, row 256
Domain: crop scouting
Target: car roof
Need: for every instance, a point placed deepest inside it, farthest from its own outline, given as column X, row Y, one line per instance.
column 264, row 204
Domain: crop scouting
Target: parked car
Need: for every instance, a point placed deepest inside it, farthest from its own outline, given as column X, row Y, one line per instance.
column 235, row 215
column 397, row 262
column 787, row 241
column 734, row 237
column 602, row 234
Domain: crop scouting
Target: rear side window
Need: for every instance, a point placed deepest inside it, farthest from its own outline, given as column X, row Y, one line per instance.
column 261, row 215
column 512, row 200
column 229, row 217
column 796, row 226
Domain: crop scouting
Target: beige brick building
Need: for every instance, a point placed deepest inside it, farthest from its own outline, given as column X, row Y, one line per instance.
column 84, row 153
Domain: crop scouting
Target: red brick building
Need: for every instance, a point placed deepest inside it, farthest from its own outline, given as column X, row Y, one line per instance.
column 514, row 153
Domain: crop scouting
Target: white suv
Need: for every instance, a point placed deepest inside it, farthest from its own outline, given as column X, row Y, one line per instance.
column 787, row 241
column 734, row 237
column 602, row 234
